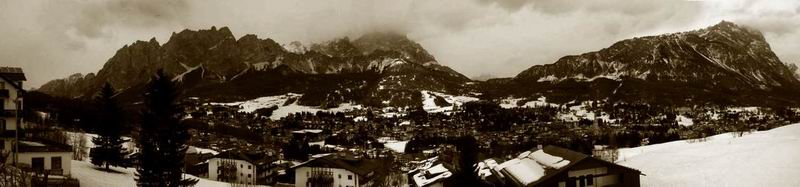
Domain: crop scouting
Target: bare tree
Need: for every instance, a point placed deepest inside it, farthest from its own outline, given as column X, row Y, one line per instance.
column 79, row 145
column 10, row 175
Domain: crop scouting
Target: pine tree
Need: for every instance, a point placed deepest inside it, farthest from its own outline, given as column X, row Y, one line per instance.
column 162, row 138
column 109, row 150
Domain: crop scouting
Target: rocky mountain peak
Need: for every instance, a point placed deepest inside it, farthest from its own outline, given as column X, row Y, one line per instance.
column 724, row 56
column 388, row 41
column 206, row 61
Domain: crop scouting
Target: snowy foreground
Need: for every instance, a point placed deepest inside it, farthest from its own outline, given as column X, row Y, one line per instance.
column 765, row 158
column 89, row 176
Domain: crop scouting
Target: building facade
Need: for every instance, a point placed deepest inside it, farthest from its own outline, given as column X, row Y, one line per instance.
column 252, row 167
column 335, row 170
column 11, row 92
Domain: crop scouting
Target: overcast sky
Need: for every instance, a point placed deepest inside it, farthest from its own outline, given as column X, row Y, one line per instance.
column 53, row 39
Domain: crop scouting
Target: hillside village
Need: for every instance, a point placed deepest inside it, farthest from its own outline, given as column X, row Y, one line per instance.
column 352, row 95
column 448, row 140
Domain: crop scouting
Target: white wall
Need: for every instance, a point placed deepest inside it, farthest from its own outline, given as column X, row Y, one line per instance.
column 302, row 174
column 241, row 170
column 9, row 103
column 66, row 157
column 601, row 177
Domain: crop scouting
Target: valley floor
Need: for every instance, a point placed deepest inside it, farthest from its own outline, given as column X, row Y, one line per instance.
column 764, row 158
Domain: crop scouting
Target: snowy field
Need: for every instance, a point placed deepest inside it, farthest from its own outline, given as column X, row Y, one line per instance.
column 394, row 145
column 90, row 177
column 284, row 109
column 429, row 103
column 765, row 158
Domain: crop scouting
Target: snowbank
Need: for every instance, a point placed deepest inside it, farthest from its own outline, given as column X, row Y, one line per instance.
column 765, row 158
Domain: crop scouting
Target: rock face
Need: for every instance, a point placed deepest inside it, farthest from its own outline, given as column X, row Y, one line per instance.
column 721, row 64
column 213, row 63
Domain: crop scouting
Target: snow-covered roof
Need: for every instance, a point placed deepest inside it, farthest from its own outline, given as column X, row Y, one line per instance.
column 525, row 171
column 429, row 172
column 529, row 166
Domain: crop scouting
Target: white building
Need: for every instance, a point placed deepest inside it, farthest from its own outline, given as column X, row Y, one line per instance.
column 11, row 91
column 335, row 170
column 241, row 167
column 51, row 158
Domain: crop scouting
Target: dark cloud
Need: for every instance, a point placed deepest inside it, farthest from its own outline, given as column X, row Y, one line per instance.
column 478, row 37
column 512, row 5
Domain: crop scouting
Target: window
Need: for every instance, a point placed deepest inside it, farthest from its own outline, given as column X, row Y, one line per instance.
column 249, row 167
column 240, row 166
column 248, row 176
column 582, row 181
column 2, row 121
column 55, row 162
column 2, row 85
column 340, row 176
column 349, row 177
column 3, row 147
column 37, row 163
column 571, row 182
column 590, row 179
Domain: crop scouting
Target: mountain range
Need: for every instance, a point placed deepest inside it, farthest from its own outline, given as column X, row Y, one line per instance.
column 724, row 64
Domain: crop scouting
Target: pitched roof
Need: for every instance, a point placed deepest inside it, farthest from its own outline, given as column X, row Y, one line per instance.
column 42, row 146
column 574, row 158
column 253, row 157
column 12, row 73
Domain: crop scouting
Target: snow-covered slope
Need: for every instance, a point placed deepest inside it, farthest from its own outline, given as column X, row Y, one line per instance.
column 511, row 102
column 765, row 158
column 89, row 176
column 429, row 101
column 284, row 108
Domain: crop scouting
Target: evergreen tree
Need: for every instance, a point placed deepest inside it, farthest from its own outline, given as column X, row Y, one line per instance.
column 108, row 150
column 162, row 138
column 468, row 160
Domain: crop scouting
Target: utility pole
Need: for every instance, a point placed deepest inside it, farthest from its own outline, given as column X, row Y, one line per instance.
column 18, row 102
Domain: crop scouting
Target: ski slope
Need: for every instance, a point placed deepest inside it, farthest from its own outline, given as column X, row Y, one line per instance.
column 765, row 158
column 284, row 108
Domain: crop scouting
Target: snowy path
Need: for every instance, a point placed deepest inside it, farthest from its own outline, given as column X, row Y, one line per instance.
column 766, row 158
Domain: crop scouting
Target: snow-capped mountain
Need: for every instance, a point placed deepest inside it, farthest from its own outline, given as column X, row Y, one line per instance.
column 723, row 64
column 214, row 64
